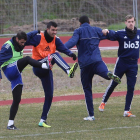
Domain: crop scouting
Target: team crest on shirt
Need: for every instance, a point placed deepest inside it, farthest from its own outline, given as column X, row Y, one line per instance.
column 125, row 37
column 138, row 37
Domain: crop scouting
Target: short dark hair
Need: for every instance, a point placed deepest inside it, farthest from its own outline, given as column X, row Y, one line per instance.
column 84, row 19
column 21, row 35
column 51, row 23
column 129, row 17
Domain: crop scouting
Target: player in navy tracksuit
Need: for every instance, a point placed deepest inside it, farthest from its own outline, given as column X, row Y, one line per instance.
column 87, row 39
column 45, row 43
column 128, row 54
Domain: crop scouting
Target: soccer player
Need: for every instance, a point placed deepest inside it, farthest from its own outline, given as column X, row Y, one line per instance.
column 127, row 62
column 12, row 64
column 45, row 44
column 87, row 39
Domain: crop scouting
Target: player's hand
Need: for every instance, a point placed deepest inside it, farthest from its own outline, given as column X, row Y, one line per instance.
column 74, row 57
column 105, row 31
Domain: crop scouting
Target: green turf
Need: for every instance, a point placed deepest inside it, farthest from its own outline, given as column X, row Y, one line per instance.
column 66, row 119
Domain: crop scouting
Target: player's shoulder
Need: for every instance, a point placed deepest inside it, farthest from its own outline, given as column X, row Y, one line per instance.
column 6, row 46
column 138, row 29
column 57, row 40
column 57, row 37
column 78, row 29
column 119, row 31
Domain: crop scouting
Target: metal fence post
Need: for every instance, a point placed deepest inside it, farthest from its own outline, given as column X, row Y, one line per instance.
column 135, row 11
column 137, row 14
column 134, row 8
column 35, row 14
column 1, row 25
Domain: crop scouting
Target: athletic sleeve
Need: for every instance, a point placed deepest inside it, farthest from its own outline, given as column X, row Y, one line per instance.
column 100, row 34
column 33, row 38
column 0, row 74
column 112, row 35
column 5, row 54
column 73, row 40
column 61, row 47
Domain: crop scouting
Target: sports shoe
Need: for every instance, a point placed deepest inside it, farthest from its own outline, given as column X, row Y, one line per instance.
column 49, row 61
column 43, row 124
column 102, row 107
column 114, row 77
column 128, row 114
column 72, row 70
column 89, row 118
column 12, row 127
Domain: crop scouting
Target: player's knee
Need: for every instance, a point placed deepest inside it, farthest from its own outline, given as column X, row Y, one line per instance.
column 27, row 58
column 56, row 53
column 49, row 97
column 16, row 101
column 130, row 88
column 107, row 78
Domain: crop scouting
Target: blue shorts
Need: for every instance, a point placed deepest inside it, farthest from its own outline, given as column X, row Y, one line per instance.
column 13, row 75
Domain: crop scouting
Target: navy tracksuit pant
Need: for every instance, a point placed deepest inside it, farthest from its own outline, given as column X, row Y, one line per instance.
column 128, row 67
column 87, row 73
column 46, row 77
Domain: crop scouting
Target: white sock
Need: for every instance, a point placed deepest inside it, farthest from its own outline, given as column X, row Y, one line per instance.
column 68, row 71
column 125, row 111
column 41, row 120
column 44, row 66
column 10, row 122
column 104, row 102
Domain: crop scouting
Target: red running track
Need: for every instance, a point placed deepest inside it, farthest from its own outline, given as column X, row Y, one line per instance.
column 103, row 43
column 65, row 98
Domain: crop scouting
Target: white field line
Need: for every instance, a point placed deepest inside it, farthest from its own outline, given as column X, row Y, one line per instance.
column 77, row 131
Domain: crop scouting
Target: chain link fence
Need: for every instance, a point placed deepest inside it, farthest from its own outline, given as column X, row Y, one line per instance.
column 35, row 14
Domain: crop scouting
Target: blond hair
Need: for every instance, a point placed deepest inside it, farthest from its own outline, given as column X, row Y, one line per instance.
column 129, row 17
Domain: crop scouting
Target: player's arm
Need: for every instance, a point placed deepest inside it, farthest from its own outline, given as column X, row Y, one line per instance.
column 112, row 35
column 101, row 33
column 0, row 75
column 107, row 34
column 5, row 55
column 73, row 40
column 62, row 48
column 33, row 38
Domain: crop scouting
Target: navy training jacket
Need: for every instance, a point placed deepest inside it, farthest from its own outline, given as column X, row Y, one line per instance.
column 128, row 48
column 87, row 39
